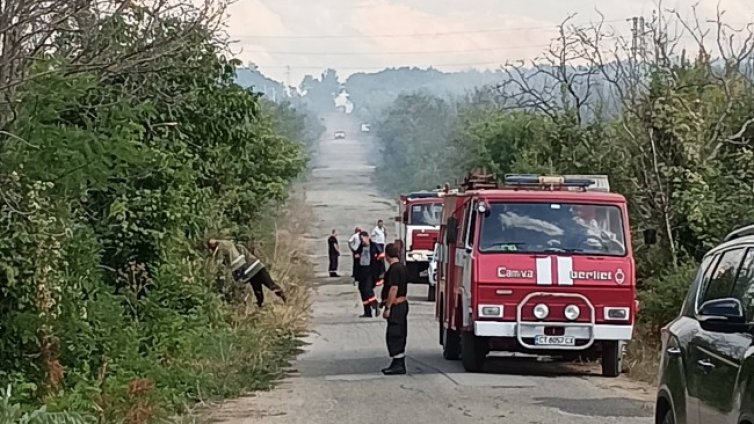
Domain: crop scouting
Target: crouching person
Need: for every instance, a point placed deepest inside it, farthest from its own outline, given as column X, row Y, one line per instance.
column 245, row 267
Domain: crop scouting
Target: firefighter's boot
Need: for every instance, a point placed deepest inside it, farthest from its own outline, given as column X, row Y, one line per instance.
column 397, row 367
column 367, row 311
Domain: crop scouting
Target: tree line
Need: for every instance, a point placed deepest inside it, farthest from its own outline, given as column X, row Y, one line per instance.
column 670, row 123
column 124, row 144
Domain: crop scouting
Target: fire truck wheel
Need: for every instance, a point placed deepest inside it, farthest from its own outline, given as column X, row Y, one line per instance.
column 611, row 359
column 451, row 344
column 431, row 293
column 473, row 352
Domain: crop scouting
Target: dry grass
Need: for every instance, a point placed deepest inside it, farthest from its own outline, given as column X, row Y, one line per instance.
column 286, row 258
column 642, row 356
column 273, row 327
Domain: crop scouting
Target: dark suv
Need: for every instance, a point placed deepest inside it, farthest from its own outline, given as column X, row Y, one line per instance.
column 707, row 366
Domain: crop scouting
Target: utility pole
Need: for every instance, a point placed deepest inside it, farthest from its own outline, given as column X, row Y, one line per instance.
column 634, row 37
column 288, row 75
column 642, row 39
column 638, row 40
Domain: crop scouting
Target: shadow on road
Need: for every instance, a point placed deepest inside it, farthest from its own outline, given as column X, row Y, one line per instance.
column 428, row 363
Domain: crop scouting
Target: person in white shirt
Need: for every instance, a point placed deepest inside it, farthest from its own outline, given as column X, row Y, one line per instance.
column 378, row 235
column 353, row 244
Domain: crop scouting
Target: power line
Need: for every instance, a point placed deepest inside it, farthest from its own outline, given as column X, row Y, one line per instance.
column 436, row 52
column 358, row 68
column 373, row 53
column 418, row 34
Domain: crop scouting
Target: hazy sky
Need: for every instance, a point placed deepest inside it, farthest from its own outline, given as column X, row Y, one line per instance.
column 366, row 35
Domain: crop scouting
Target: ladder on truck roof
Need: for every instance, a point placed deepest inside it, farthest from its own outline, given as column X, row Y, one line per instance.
column 421, row 195
column 426, row 194
column 479, row 180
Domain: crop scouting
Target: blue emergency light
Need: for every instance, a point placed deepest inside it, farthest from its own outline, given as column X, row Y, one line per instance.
column 522, row 180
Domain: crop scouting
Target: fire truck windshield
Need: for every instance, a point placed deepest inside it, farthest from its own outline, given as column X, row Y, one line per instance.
column 426, row 214
column 549, row 227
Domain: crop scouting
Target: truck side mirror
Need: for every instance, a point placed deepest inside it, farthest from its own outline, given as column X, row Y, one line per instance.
column 650, row 236
column 452, row 230
column 405, row 216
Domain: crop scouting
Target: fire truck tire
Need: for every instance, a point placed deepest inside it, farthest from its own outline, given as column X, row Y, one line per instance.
column 473, row 352
column 451, row 344
column 430, row 293
column 611, row 359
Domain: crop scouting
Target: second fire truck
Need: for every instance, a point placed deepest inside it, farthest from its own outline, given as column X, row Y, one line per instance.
column 418, row 222
column 542, row 265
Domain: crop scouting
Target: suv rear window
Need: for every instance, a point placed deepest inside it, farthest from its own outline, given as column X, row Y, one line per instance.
column 721, row 283
column 743, row 289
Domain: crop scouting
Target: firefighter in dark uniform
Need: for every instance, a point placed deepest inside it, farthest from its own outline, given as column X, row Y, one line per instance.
column 368, row 255
column 245, row 267
column 396, row 311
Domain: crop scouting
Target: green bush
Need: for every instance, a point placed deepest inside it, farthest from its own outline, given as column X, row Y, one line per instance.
column 14, row 413
column 662, row 296
column 112, row 178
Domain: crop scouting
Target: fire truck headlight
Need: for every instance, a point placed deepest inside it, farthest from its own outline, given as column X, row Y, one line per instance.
column 541, row 311
column 572, row 312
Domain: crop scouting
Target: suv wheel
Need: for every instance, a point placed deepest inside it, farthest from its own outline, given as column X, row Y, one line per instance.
column 611, row 359
column 668, row 418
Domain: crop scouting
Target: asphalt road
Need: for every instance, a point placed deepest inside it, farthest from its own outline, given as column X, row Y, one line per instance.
column 337, row 378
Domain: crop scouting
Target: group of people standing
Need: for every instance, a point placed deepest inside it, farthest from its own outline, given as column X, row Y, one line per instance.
column 370, row 254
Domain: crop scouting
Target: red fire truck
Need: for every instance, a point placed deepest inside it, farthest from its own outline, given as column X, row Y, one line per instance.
column 542, row 265
column 418, row 221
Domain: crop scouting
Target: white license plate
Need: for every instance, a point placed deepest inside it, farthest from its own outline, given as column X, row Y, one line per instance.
column 424, row 274
column 554, row 341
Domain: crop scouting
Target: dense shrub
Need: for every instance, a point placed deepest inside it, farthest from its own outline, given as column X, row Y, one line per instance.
column 112, row 174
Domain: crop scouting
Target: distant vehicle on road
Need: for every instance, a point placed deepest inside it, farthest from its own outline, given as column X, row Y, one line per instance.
column 339, row 135
column 707, row 365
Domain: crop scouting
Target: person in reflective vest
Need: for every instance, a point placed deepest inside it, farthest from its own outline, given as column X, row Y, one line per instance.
column 369, row 269
column 245, row 268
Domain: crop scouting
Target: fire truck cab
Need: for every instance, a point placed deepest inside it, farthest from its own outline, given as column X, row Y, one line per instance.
column 418, row 221
column 542, row 265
